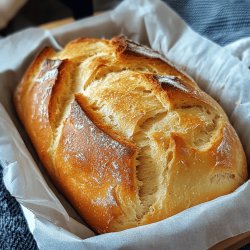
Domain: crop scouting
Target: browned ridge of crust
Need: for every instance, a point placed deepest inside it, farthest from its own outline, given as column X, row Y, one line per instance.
column 127, row 137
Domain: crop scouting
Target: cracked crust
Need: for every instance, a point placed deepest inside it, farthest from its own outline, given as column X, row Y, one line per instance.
column 127, row 137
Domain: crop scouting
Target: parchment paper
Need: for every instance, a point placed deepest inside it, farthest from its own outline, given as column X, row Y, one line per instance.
column 51, row 219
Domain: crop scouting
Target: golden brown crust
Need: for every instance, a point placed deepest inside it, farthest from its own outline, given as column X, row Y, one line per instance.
column 32, row 99
column 127, row 137
column 90, row 173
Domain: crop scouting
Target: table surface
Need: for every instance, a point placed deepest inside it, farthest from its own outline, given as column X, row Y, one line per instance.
column 230, row 243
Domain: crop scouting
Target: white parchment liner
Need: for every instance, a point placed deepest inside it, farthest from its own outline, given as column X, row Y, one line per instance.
column 216, row 70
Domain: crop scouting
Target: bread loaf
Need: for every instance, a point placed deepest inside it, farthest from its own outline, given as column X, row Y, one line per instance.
column 127, row 138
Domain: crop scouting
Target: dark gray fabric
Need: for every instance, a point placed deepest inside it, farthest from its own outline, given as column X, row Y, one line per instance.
column 222, row 21
column 14, row 232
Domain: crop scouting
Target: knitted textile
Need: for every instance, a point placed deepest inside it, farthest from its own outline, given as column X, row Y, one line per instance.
column 14, row 232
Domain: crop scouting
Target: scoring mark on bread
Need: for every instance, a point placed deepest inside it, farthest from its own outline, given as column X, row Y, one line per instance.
column 126, row 46
column 49, row 70
column 170, row 81
column 83, row 121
